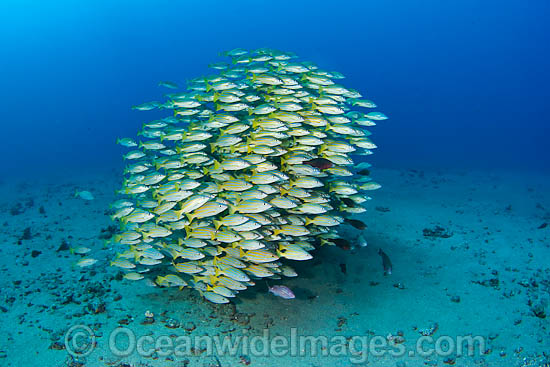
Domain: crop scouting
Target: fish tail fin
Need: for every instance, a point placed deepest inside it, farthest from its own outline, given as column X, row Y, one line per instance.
column 216, row 165
column 190, row 217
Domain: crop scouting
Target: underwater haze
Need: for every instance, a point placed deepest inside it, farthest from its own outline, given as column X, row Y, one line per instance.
column 463, row 82
column 275, row 183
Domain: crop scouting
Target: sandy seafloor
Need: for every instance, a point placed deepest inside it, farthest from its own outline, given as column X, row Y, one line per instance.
column 487, row 279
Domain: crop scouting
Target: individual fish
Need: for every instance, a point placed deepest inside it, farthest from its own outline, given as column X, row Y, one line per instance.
column 123, row 263
column 133, row 276
column 149, row 262
column 341, row 242
column 221, row 290
column 85, row 195
column 127, row 142
column 320, row 163
column 343, row 268
column 79, row 250
column 324, row 220
column 194, row 202
column 85, row 262
column 168, row 84
column 356, row 223
column 188, row 268
column 386, row 262
column 377, row 116
column 370, row 186
column 291, row 230
column 138, row 216
column 208, row 209
column 361, row 241
column 214, row 297
column 294, row 253
column 170, row 280
column 250, row 206
column 260, row 256
column 146, row 106
column 282, row 291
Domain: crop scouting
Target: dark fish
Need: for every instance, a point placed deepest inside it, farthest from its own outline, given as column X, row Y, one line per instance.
column 364, row 172
column 386, row 262
column 342, row 243
column 343, row 268
column 320, row 163
column 356, row 223
column 350, row 203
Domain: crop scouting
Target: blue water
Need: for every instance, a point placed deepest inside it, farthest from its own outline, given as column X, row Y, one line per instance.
column 465, row 152
column 465, row 83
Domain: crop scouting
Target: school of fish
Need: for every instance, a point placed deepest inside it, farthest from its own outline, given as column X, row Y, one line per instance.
column 252, row 168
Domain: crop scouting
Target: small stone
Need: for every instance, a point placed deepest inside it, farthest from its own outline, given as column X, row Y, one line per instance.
column 450, row 361
column 244, row 359
column 148, row 321
column 172, row 323
column 189, row 326
column 341, row 321
column 64, row 246
column 57, row 346
column 538, row 311
column 26, row 234
column 398, row 339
